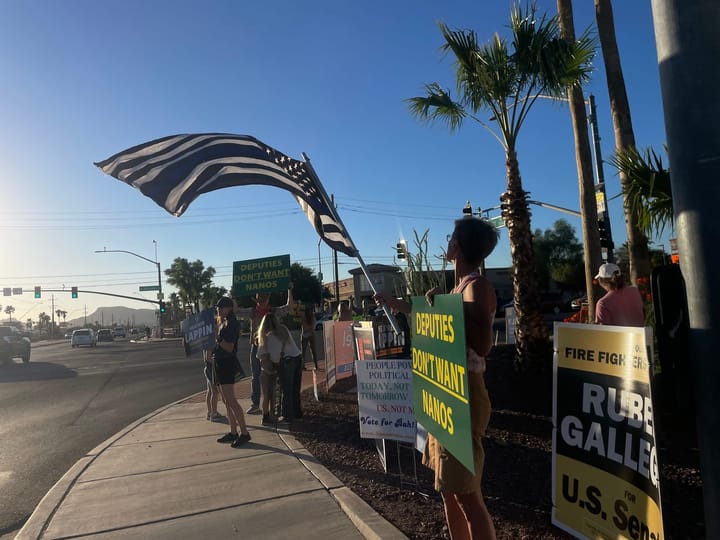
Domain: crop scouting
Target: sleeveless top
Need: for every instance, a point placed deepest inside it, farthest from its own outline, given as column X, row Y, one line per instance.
column 475, row 362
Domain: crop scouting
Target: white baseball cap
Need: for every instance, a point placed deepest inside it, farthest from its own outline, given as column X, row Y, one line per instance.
column 608, row 270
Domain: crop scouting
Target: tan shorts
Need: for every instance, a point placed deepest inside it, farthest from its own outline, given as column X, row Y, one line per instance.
column 450, row 475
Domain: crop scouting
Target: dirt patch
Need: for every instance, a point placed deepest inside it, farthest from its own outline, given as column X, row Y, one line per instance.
column 517, row 476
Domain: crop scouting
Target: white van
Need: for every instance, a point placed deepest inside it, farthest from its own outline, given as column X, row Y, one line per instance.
column 84, row 336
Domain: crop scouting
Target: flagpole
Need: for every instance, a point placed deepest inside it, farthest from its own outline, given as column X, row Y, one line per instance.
column 331, row 206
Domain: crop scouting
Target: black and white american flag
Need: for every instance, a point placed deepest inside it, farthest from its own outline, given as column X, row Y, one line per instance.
column 173, row 171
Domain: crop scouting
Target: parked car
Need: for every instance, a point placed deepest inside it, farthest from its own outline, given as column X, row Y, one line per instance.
column 104, row 334
column 13, row 344
column 118, row 332
column 68, row 334
column 84, row 336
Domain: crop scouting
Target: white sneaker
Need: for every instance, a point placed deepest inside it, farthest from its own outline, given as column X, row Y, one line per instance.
column 253, row 409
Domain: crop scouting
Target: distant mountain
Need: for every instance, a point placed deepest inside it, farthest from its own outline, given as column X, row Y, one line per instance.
column 117, row 315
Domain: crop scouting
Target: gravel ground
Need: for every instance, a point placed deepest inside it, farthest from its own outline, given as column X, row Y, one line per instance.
column 517, row 476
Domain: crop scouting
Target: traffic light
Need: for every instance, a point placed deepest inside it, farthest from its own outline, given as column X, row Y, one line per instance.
column 604, row 231
column 37, row 292
column 162, row 306
column 73, row 292
column 400, row 248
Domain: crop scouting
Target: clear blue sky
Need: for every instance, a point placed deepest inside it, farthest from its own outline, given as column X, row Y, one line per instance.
column 81, row 80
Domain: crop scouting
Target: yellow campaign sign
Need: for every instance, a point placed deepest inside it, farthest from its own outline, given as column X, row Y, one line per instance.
column 606, row 480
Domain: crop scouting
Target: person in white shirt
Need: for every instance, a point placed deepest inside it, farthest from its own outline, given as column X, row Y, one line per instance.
column 278, row 352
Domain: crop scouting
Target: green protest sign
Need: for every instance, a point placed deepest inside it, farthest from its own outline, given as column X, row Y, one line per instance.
column 440, row 382
column 270, row 274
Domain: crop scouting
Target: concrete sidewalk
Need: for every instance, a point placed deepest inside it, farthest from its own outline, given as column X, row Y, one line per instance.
column 165, row 476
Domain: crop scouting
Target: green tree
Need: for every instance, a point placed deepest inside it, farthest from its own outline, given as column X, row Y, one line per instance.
column 9, row 310
column 506, row 84
column 211, row 294
column 176, row 311
column 306, row 285
column 647, row 189
column 191, row 279
column 559, row 257
column 44, row 320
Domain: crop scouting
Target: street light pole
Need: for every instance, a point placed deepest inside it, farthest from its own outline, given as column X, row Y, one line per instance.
column 157, row 264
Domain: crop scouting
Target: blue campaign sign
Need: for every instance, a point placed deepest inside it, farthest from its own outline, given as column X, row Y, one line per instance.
column 199, row 332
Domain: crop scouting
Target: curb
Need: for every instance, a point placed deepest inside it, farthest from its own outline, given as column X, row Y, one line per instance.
column 367, row 520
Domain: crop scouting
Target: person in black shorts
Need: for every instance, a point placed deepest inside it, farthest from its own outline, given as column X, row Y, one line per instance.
column 226, row 365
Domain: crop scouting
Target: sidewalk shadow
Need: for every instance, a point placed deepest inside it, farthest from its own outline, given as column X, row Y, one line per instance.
column 34, row 371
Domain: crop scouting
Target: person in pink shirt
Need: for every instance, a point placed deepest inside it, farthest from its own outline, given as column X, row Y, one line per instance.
column 622, row 305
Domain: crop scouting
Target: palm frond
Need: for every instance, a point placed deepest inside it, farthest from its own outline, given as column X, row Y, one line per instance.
column 482, row 74
column 549, row 63
column 648, row 191
column 437, row 105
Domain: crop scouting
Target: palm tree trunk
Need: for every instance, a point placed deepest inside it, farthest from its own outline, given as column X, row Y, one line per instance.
column 624, row 135
column 583, row 160
column 532, row 345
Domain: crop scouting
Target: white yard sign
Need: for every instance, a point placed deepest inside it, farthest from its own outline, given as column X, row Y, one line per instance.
column 385, row 399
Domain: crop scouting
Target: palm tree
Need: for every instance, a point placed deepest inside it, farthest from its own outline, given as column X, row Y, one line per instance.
column 44, row 320
column 647, row 192
column 507, row 84
column 583, row 157
column 624, row 134
column 9, row 310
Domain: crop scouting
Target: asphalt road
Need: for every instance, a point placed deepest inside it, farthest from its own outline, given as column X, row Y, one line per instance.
column 67, row 401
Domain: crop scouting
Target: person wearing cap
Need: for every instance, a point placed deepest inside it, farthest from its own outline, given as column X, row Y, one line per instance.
column 622, row 305
column 226, row 366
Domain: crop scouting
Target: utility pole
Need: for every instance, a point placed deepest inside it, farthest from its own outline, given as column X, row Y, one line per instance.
column 602, row 208
column 688, row 45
